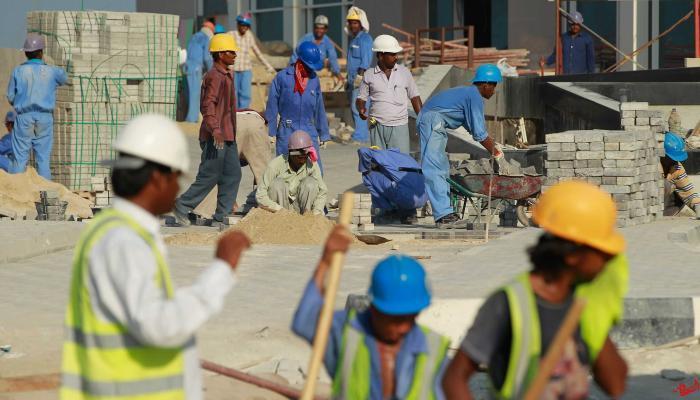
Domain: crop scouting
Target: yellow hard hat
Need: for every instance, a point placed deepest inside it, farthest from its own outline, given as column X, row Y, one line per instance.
column 582, row 213
column 222, row 42
column 353, row 15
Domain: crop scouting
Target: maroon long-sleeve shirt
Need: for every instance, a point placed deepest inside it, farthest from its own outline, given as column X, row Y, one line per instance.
column 218, row 104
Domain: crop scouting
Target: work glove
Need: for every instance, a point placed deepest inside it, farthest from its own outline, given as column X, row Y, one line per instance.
column 499, row 152
column 357, row 81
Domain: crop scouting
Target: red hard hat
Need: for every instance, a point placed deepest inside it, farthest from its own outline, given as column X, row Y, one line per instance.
column 299, row 140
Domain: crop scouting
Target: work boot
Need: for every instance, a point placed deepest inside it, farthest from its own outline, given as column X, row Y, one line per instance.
column 181, row 218
column 449, row 221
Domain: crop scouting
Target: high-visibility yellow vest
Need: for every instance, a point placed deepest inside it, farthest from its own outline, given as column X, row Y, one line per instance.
column 101, row 360
column 604, row 303
column 352, row 377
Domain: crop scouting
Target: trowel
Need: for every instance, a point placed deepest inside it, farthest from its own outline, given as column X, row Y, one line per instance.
column 372, row 239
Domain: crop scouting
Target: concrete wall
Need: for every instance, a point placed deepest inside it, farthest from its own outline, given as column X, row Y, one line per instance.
column 407, row 15
column 531, row 25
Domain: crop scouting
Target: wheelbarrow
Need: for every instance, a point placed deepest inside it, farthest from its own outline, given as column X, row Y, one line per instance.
column 521, row 191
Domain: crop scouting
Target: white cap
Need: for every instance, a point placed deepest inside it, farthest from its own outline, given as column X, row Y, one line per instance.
column 321, row 20
column 386, row 44
column 151, row 137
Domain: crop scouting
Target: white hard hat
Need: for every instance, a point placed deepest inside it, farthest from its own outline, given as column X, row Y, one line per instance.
column 386, row 44
column 151, row 137
column 321, row 20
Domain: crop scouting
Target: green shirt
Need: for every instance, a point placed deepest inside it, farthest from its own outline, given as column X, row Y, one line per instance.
column 279, row 168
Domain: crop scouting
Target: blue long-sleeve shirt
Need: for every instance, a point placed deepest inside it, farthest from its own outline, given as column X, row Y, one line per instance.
column 32, row 86
column 414, row 343
column 460, row 106
column 326, row 48
column 198, row 51
column 578, row 54
column 359, row 54
column 305, row 111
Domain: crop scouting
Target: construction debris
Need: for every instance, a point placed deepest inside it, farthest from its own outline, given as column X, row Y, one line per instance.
column 51, row 208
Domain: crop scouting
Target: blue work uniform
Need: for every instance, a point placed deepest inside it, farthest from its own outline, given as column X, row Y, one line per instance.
column 414, row 343
column 393, row 178
column 199, row 61
column 449, row 109
column 5, row 152
column 359, row 56
column 304, row 112
column 32, row 92
column 578, row 54
column 327, row 51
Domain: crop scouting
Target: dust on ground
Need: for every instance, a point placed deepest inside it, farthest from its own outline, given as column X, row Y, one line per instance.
column 20, row 192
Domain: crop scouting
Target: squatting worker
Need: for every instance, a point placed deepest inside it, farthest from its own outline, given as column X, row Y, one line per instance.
column 389, row 86
column 359, row 59
column 679, row 189
column 6, row 142
column 293, row 181
column 32, row 92
column 450, row 109
column 199, row 61
column 295, row 95
column 578, row 255
column 244, row 67
column 129, row 332
column 219, row 165
column 380, row 353
column 577, row 48
column 325, row 46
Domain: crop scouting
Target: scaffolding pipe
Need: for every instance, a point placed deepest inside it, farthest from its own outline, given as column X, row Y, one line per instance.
column 634, row 32
column 557, row 54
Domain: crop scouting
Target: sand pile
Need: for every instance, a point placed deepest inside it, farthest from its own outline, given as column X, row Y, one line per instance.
column 19, row 192
column 284, row 227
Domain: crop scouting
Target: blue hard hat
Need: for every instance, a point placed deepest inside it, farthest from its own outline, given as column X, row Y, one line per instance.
column 399, row 286
column 674, row 146
column 219, row 29
column 488, row 73
column 310, row 55
column 245, row 19
column 10, row 117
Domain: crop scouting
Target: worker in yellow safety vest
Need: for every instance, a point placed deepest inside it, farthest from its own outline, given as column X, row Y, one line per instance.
column 579, row 254
column 129, row 334
column 380, row 353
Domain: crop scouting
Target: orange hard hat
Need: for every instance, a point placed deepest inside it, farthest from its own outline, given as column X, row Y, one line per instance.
column 582, row 213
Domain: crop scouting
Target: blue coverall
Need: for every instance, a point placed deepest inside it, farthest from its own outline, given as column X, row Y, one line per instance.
column 32, row 92
column 578, row 54
column 359, row 56
column 326, row 48
column 449, row 109
column 304, row 112
column 199, row 61
column 413, row 344
column 5, row 152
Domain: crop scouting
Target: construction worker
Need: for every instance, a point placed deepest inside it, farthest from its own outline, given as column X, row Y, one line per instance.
column 325, row 45
column 358, row 61
column 219, row 29
column 244, row 67
column 380, row 353
column 219, row 164
column 578, row 255
column 450, row 109
column 198, row 62
column 389, row 86
column 293, row 181
column 32, row 92
column 128, row 332
column 295, row 95
column 6, row 142
column 577, row 48
column 679, row 189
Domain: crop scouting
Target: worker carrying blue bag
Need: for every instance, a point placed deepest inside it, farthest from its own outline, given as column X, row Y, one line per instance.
column 395, row 181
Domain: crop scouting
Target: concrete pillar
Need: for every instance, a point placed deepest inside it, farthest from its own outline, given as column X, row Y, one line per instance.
column 654, row 32
column 625, row 31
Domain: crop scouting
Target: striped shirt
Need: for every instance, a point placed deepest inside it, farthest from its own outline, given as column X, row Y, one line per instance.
column 684, row 187
column 246, row 43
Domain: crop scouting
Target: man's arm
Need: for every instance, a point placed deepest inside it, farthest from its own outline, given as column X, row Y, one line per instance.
column 260, row 55
column 322, row 196
column 413, row 94
column 475, row 123
column 261, row 195
column 417, row 104
column 211, row 94
column 208, row 60
column 455, row 382
column 61, row 76
column 271, row 109
column 365, row 53
column 321, row 117
column 552, row 57
column 610, row 370
column 11, row 89
column 362, row 97
column 333, row 59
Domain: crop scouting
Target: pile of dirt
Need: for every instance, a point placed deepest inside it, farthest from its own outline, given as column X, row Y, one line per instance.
column 284, row 227
column 20, row 192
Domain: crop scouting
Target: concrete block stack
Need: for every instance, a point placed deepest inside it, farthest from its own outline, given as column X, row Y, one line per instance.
column 361, row 211
column 636, row 116
column 119, row 65
column 50, row 207
column 622, row 163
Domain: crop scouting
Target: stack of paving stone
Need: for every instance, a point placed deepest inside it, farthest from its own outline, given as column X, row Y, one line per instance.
column 636, row 116
column 50, row 207
column 622, row 163
column 119, row 65
column 361, row 211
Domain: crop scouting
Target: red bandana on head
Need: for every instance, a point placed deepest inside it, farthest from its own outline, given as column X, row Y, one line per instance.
column 301, row 77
